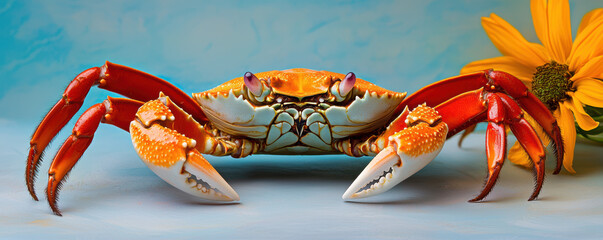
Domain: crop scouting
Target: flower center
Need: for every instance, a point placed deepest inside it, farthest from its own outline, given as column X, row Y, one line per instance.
column 551, row 82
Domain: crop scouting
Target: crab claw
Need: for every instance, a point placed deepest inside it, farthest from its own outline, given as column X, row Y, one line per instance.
column 173, row 157
column 407, row 152
column 385, row 171
column 197, row 177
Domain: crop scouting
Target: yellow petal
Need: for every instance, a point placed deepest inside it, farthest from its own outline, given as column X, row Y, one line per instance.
column 518, row 155
column 589, row 91
column 568, row 133
column 553, row 27
column 589, row 100
column 592, row 68
column 511, row 43
column 587, row 45
column 591, row 16
column 539, row 17
column 585, row 121
column 505, row 64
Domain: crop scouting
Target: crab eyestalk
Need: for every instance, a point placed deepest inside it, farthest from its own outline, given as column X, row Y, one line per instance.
column 341, row 89
column 252, row 83
column 347, row 84
column 257, row 88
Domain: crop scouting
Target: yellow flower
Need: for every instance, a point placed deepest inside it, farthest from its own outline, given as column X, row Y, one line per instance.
column 563, row 74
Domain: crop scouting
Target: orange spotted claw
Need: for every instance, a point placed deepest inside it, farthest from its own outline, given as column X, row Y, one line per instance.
column 407, row 152
column 173, row 157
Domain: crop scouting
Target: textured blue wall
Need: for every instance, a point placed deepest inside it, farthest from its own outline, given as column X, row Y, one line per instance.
column 401, row 45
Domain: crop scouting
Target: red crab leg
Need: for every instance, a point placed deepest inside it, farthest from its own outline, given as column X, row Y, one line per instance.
column 496, row 143
column 473, row 112
column 113, row 77
column 145, row 87
column 491, row 81
column 55, row 120
column 112, row 111
column 120, row 112
column 498, row 109
column 530, row 103
column 525, row 134
column 528, row 139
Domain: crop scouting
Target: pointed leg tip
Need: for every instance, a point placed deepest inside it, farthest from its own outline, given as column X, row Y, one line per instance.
column 52, row 193
column 30, row 176
column 32, row 192
column 558, row 168
column 57, row 212
column 534, row 195
column 34, row 196
column 53, row 206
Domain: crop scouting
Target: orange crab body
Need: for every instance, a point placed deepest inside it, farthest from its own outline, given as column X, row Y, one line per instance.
column 296, row 111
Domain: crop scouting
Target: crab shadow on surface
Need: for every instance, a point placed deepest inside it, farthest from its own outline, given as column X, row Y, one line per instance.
column 456, row 177
column 339, row 171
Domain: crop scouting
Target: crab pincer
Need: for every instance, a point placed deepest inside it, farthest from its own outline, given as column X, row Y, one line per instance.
column 173, row 156
column 407, row 152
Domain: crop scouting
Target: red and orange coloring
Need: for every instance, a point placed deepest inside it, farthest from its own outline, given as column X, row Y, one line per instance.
column 296, row 111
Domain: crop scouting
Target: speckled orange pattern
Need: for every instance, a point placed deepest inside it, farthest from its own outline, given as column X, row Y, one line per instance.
column 159, row 145
column 153, row 111
column 297, row 82
column 420, row 139
column 423, row 113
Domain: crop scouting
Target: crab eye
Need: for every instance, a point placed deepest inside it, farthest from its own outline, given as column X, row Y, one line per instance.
column 279, row 100
column 253, row 83
column 347, row 84
column 321, row 100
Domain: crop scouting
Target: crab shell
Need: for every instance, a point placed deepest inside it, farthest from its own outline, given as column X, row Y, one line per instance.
column 319, row 110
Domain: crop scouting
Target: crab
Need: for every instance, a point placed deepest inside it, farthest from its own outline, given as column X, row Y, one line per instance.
column 296, row 111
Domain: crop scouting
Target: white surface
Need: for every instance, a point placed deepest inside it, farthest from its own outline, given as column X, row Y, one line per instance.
column 111, row 194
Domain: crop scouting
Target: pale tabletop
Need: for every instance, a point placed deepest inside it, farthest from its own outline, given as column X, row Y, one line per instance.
column 111, row 194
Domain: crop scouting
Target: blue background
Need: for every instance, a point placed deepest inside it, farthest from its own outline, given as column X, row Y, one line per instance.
column 400, row 45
